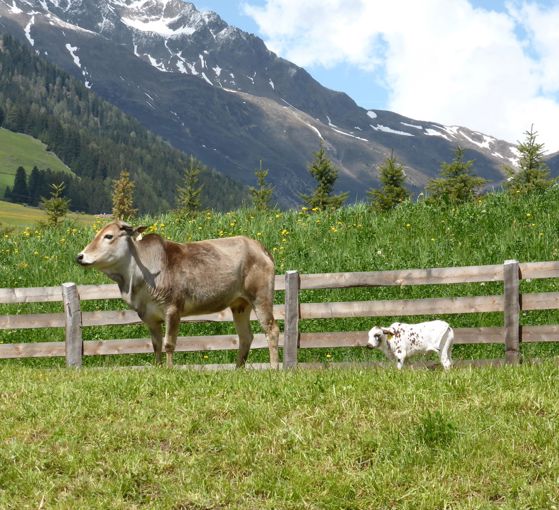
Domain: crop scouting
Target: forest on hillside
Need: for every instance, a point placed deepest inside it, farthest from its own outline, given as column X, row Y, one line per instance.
column 96, row 140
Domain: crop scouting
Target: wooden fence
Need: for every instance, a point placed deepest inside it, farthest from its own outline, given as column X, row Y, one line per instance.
column 511, row 303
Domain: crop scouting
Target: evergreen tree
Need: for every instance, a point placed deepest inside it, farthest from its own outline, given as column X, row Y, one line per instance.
column 56, row 206
column 36, row 186
column 123, row 197
column 8, row 194
column 392, row 177
column 188, row 199
column 1, row 116
column 532, row 173
column 20, row 192
column 262, row 193
column 325, row 175
column 457, row 183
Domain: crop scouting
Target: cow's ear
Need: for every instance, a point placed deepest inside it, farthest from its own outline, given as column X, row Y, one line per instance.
column 388, row 331
column 138, row 231
column 126, row 227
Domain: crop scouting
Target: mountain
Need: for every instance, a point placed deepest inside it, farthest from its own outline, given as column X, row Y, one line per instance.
column 93, row 138
column 217, row 92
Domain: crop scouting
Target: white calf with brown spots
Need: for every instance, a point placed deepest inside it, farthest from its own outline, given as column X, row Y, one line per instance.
column 400, row 340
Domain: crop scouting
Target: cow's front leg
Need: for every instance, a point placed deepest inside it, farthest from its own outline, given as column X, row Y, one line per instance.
column 172, row 321
column 156, row 339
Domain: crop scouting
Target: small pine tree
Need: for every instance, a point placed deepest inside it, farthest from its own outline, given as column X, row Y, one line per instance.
column 262, row 193
column 532, row 173
column 188, row 195
column 457, row 183
column 392, row 177
column 123, row 197
column 56, row 206
column 325, row 175
column 20, row 191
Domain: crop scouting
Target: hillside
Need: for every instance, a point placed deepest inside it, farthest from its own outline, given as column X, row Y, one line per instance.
column 94, row 138
column 219, row 93
column 16, row 215
column 17, row 149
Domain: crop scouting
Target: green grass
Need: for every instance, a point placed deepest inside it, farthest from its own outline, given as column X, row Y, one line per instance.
column 488, row 231
column 19, row 216
column 17, row 149
column 347, row 439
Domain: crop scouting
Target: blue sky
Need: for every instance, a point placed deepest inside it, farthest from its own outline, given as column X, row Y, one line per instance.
column 492, row 65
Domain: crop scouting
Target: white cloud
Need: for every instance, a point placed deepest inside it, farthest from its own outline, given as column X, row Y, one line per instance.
column 440, row 60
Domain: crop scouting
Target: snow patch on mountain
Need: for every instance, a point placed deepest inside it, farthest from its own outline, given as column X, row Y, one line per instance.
column 72, row 50
column 27, row 30
column 386, row 129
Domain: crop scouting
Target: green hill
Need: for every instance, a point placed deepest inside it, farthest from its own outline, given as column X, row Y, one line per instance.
column 17, row 215
column 17, row 149
column 95, row 139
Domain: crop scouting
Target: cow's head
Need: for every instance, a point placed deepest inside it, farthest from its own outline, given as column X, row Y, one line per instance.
column 110, row 246
column 377, row 335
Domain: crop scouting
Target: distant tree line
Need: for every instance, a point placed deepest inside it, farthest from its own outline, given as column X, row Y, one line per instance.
column 85, row 194
column 94, row 138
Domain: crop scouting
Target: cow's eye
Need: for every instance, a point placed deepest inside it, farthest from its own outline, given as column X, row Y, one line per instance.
column 108, row 236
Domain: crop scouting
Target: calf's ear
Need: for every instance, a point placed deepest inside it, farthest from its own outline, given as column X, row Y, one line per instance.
column 388, row 331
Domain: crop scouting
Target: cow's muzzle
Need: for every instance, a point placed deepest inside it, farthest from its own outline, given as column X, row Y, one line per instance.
column 80, row 260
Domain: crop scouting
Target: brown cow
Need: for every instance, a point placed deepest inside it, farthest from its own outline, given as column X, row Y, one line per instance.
column 164, row 281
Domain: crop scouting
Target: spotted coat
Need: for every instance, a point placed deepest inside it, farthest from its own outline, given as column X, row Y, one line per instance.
column 400, row 340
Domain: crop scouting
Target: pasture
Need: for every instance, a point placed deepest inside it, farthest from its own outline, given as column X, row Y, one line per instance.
column 340, row 439
column 17, row 149
column 489, row 231
column 124, row 438
column 21, row 216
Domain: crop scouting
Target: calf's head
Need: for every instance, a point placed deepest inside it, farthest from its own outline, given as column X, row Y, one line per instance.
column 110, row 246
column 377, row 335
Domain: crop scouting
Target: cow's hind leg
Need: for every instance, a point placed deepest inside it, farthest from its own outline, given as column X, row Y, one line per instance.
column 156, row 339
column 172, row 322
column 265, row 313
column 241, row 317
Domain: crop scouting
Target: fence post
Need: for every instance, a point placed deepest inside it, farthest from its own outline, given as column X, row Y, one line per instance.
column 511, row 277
column 72, row 311
column 291, row 325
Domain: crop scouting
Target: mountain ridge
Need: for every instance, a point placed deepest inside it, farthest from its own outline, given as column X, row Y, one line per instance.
column 217, row 92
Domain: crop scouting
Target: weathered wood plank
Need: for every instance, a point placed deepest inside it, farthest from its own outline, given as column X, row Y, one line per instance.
column 30, row 295
column 73, row 314
column 184, row 344
column 539, row 270
column 540, row 301
column 545, row 333
column 482, row 335
column 127, row 317
column 404, row 307
column 33, row 350
column 512, row 311
column 291, row 327
column 32, row 320
column 433, row 276
column 111, row 291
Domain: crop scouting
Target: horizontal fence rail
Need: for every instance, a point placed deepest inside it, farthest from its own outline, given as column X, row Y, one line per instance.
column 510, row 303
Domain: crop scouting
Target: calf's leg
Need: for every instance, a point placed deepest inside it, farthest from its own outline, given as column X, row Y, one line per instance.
column 447, row 342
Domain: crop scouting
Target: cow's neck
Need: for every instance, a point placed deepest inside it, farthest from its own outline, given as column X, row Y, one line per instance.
column 129, row 278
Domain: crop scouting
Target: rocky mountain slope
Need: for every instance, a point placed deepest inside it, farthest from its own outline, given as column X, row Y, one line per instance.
column 217, row 92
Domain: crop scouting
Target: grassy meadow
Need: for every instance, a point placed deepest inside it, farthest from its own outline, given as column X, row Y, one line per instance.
column 416, row 235
column 17, row 149
column 338, row 439
column 354, row 439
